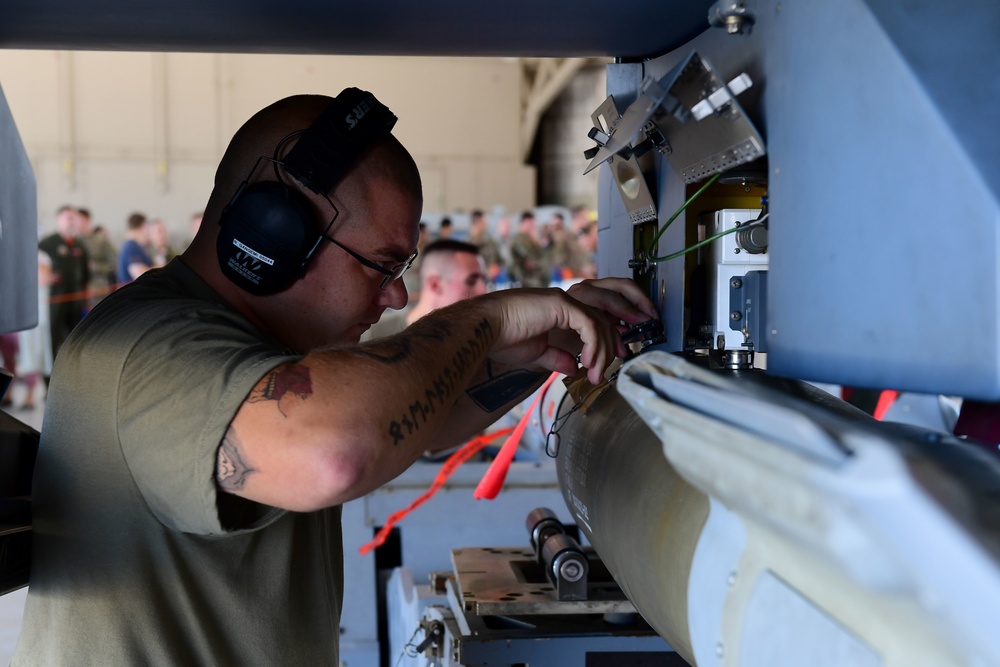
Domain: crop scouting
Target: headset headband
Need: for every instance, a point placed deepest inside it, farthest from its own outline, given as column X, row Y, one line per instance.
column 337, row 138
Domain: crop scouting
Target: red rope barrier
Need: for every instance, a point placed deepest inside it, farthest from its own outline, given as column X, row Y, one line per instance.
column 449, row 467
column 85, row 294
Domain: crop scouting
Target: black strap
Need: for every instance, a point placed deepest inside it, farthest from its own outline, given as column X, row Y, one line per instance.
column 337, row 138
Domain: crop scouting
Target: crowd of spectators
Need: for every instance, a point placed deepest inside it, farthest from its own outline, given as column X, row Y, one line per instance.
column 530, row 252
column 79, row 265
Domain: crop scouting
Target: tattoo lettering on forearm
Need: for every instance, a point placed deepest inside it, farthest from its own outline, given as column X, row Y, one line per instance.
column 289, row 380
column 441, row 392
column 231, row 469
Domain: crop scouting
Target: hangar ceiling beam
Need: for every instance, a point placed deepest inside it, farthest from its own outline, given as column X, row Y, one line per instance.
column 542, row 79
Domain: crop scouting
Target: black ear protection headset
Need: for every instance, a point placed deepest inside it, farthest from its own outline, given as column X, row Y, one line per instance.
column 269, row 230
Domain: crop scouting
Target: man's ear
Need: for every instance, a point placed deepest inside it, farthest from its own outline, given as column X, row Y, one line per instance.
column 434, row 283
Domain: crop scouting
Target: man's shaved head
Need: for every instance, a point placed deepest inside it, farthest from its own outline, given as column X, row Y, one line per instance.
column 378, row 203
column 386, row 160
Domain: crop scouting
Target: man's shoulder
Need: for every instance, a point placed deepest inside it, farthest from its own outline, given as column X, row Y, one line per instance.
column 165, row 288
column 50, row 241
column 97, row 243
column 130, row 245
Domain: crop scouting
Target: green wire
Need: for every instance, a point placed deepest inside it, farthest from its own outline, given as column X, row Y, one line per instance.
column 652, row 246
column 702, row 243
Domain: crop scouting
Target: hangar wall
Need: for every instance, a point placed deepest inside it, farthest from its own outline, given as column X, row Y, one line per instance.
column 118, row 132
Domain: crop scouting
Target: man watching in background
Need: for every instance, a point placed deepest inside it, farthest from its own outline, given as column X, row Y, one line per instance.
column 133, row 260
column 70, row 274
column 451, row 271
column 479, row 236
column 101, row 258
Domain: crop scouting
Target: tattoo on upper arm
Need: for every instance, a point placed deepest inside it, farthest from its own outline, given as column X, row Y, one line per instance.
column 231, row 468
column 441, row 392
column 284, row 381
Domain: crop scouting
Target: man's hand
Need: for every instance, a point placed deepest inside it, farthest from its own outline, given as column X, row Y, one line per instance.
column 547, row 328
column 620, row 299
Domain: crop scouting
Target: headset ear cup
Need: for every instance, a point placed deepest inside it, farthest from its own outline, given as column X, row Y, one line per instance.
column 266, row 236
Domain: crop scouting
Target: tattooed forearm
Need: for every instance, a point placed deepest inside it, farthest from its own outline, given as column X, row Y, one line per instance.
column 231, row 469
column 441, row 393
column 288, row 380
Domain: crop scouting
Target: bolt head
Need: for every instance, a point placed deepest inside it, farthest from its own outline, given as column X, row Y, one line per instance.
column 571, row 571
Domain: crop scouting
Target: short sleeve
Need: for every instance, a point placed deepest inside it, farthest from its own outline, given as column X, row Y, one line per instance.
column 181, row 386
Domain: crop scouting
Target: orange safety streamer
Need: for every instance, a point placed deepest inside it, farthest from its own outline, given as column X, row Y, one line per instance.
column 84, row 294
column 491, row 483
column 885, row 401
column 449, row 467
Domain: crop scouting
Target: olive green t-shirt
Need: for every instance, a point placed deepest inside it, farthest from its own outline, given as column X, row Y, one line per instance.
column 133, row 562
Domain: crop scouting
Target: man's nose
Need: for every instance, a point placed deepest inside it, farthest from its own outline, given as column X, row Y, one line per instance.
column 394, row 296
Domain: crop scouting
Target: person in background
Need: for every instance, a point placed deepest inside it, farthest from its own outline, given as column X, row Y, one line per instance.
column 70, row 275
column 195, row 222
column 580, row 217
column 27, row 354
column 479, row 236
column 133, row 260
column 504, row 279
column 102, row 258
column 159, row 248
column 568, row 260
column 558, row 249
column 588, row 247
column 503, row 232
column 411, row 279
column 35, row 359
column 527, row 257
column 445, row 230
column 452, row 271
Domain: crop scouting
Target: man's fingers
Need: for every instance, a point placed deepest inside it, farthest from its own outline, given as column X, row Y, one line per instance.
column 619, row 297
column 546, row 328
column 601, row 343
column 559, row 361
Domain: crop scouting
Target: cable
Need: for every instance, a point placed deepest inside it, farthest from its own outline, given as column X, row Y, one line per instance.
column 705, row 242
column 659, row 233
column 408, row 646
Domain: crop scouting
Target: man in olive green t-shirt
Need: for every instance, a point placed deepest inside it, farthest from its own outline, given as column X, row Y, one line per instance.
column 206, row 422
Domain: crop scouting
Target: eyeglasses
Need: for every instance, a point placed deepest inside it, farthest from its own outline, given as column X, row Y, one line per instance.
column 392, row 273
